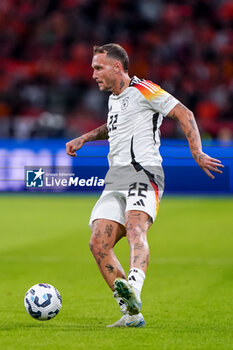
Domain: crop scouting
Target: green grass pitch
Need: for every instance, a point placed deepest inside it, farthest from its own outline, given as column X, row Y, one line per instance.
column 187, row 295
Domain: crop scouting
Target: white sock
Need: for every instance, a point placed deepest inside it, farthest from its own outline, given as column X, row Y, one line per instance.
column 136, row 279
column 120, row 302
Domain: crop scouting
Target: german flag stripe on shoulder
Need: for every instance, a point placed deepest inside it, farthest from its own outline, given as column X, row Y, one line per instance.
column 149, row 89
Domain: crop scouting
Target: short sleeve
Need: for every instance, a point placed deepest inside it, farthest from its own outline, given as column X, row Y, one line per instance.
column 157, row 98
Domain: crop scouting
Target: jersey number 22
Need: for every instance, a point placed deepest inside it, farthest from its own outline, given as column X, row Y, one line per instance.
column 112, row 122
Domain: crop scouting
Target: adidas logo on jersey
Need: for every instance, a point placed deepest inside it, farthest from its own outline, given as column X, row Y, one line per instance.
column 140, row 203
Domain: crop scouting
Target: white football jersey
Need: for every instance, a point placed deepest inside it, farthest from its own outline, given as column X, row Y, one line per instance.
column 135, row 179
column 134, row 119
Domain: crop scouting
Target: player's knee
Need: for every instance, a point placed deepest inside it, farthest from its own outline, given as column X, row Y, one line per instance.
column 135, row 233
column 137, row 241
column 95, row 244
column 91, row 246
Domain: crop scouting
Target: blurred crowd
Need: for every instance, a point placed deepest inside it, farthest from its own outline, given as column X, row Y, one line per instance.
column 46, row 85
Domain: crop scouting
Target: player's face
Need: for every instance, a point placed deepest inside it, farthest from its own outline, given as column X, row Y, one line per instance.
column 103, row 71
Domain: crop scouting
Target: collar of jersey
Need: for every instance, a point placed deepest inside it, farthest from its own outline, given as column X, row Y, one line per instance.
column 132, row 82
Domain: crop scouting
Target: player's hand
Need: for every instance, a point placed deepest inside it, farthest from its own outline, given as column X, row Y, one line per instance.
column 207, row 163
column 74, row 145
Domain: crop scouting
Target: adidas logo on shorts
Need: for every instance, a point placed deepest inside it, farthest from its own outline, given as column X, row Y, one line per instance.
column 139, row 203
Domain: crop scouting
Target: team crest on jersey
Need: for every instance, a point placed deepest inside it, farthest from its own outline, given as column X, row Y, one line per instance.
column 125, row 103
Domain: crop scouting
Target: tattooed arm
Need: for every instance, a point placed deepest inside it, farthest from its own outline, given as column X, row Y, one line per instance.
column 100, row 133
column 190, row 129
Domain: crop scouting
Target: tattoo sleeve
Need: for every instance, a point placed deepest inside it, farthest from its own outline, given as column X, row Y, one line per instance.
column 189, row 127
column 100, row 133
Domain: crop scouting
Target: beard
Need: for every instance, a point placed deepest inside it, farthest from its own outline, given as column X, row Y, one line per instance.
column 108, row 85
